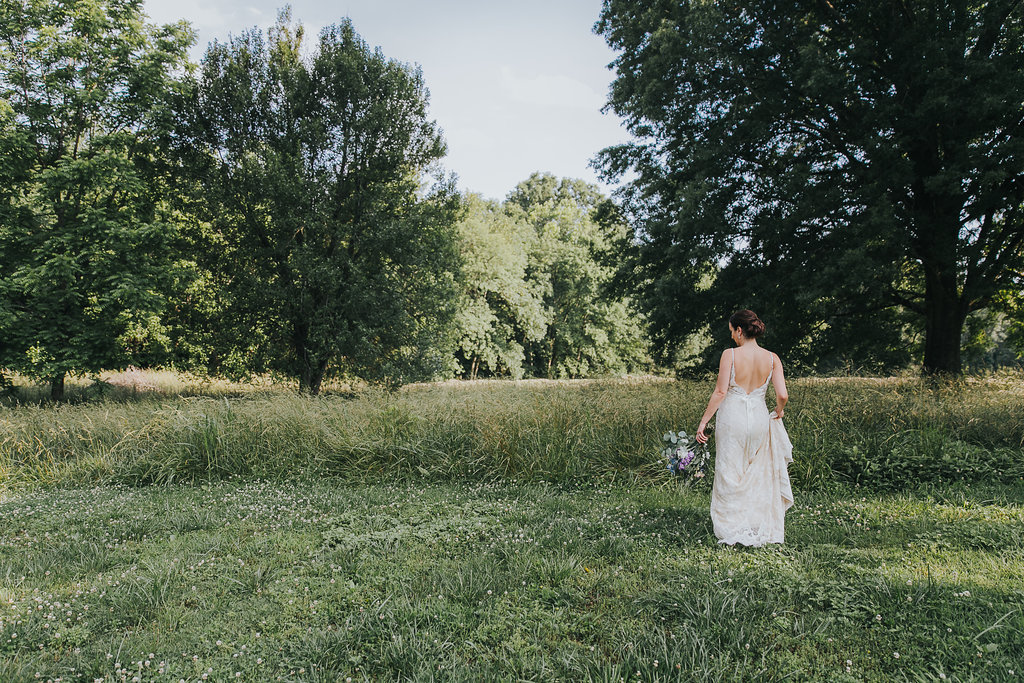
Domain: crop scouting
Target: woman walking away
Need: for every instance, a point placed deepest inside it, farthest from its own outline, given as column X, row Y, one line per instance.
column 751, row 492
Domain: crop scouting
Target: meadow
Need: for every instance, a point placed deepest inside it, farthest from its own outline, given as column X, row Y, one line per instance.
column 886, row 433
column 504, row 531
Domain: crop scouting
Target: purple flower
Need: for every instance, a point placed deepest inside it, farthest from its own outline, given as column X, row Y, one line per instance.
column 687, row 459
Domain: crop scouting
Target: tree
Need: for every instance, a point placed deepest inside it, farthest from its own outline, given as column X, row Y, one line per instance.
column 331, row 250
column 83, row 227
column 589, row 329
column 500, row 310
column 838, row 163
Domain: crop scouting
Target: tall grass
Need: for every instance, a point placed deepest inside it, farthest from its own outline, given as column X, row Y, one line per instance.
column 891, row 433
column 861, row 430
column 134, row 384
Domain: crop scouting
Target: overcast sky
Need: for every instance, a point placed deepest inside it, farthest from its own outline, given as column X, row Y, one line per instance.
column 516, row 87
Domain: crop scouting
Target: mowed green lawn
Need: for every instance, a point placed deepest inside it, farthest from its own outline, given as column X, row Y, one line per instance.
column 321, row 580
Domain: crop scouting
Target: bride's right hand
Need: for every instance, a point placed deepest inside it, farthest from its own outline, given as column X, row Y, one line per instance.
column 778, row 413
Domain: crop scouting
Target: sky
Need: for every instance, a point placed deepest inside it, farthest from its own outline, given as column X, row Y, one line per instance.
column 517, row 87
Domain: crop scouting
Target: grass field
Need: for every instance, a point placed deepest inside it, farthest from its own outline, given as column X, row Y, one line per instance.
column 321, row 581
column 878, row 432
column 505, row 532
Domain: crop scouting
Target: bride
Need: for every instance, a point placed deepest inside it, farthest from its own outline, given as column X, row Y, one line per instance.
column 751, row 492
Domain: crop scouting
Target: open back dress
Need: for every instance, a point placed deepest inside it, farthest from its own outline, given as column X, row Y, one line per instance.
column 752, row 451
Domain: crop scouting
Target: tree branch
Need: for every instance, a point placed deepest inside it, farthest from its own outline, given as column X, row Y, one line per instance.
column 900, row 299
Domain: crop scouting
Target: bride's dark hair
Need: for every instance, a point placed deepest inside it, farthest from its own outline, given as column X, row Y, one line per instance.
column 748, row 323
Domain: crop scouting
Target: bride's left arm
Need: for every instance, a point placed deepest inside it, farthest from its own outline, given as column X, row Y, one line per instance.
column 717, row 396
column 779, row 383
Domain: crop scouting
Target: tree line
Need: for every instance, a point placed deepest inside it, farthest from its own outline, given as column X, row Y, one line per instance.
column 266, row 211
column 853, row 173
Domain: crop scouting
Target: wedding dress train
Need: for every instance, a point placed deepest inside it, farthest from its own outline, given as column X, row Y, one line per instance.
column 751, row 491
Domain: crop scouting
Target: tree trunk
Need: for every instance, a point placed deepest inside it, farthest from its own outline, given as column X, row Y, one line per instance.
column 57, row 388
column 312, row 369
column 944, row 322
column 312, row 377
column 937, row 245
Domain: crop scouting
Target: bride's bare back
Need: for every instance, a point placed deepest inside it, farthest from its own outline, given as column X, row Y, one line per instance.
column 747, row 367
column 753, row 365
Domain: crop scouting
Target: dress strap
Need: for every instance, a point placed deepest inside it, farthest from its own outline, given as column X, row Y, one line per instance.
column 772, row 368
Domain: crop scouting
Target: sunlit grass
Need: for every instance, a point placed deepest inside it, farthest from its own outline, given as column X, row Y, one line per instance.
column 135, row 384
column 890, row 433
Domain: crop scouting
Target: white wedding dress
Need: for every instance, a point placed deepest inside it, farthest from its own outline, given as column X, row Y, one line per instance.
column 752, row 450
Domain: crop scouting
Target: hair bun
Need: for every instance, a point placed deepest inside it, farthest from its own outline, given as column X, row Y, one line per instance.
column 748, row 323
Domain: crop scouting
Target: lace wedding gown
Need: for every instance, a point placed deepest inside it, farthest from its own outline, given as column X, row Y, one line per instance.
column 752, row 450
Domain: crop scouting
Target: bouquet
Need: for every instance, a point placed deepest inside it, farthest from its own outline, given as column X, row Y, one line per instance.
column 684, row 456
